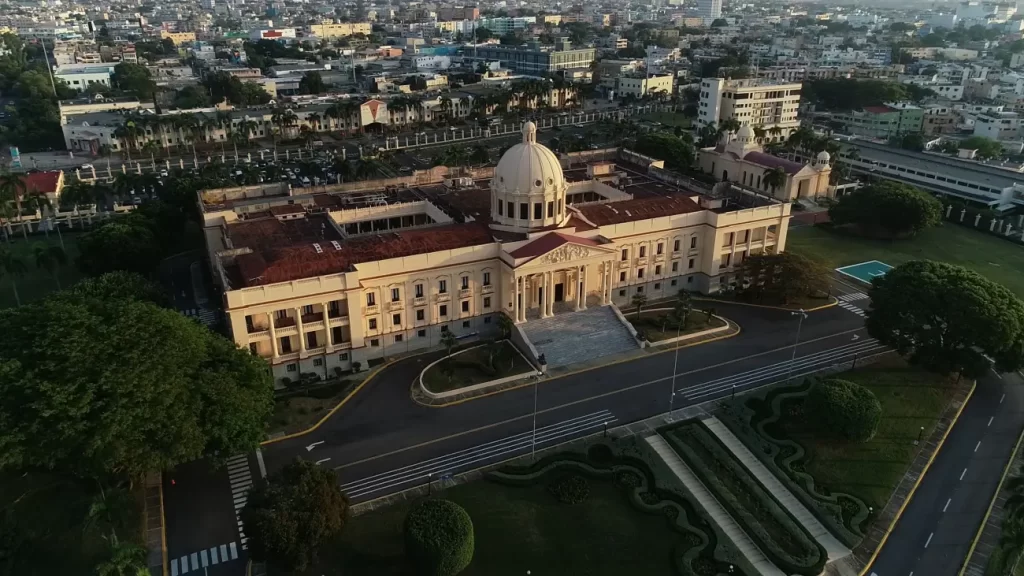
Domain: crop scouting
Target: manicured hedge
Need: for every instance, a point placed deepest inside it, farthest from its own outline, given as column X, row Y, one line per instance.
column 439, row 538
column 843, row 409
column 783, row 540
column 570, row 489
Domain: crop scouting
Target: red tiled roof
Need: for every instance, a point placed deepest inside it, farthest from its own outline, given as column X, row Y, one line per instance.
column 770, row 161
column 638, row 209
column 283, row 250
column 549, row 242
column 41, row 182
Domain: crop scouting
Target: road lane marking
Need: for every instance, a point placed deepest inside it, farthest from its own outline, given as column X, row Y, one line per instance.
column 174, row 567
column 463, row 459
column 978, row 445
column 214, row 558
column 1001, row 398
column 929, row 541
column 204, row 559
column 224, row 552
column 259, row 461
column 990, row 419
column 234, row 551
column 998, row 375
column 963, row 473
column 947, row 504
column 615, row 393
column 318, row 462
column 195, row 560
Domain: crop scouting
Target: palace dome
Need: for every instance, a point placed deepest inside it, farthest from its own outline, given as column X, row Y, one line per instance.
column 528, row 177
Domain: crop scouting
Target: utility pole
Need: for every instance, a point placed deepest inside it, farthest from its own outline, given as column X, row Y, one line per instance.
column 800, row 323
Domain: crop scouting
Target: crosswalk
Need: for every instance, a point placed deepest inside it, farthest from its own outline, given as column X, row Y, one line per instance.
column 779, row 371
column 205, row 316
column 203, row 559
column 846, row 302
column 443, row 467
column 241, row 482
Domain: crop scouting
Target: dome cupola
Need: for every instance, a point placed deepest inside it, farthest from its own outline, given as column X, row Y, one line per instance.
column 528, row 188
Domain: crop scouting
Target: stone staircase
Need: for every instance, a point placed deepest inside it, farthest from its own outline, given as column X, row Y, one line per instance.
column 573, row 337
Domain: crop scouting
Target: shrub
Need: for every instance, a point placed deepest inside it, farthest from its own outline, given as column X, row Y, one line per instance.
column 439, row 538
column 571, row 489
column 843, row 409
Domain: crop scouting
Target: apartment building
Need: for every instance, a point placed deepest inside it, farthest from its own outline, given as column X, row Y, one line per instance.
column 327, row 30
column 535, row 60
column 770, row 105
column 639, row 86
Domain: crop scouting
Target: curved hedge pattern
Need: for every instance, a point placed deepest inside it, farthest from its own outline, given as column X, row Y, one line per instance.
column 439, row 538
column 843, row 513
column 782, row 539
column 634, row 476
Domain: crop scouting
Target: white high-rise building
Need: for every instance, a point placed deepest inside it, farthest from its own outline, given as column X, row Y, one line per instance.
column 710, row 10
column 769, row 105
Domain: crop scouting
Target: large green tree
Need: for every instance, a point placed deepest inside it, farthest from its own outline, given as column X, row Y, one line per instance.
column 889, row 209
column 300, row 509
column 119, row 388
column 134, row 78
column 677, row 152
column 947, row 318
column 123, row 244
column 781, row 278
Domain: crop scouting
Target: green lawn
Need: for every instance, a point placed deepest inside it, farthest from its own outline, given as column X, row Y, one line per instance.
column 44, row 529
column 999, row 260
column 300, row 411
column 910, row 398
column 475, row 366
column 519, row 529
column 37, row 282
column 671, row 119
column 656, row 325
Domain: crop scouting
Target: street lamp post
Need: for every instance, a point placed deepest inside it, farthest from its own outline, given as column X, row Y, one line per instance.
column 533, row 443
column 675, row 366
column 792, row 361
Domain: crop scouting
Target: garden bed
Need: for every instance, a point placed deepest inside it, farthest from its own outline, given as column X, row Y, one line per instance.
column 780, row 536
column 300, row 409
column 841, row 482
column 476, row 365
column 657, row 325
column 600, row 512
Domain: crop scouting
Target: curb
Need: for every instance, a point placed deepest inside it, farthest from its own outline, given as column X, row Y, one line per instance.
column 661, row 350
column 991, row 505
column 331, row 412
column 833, row 301
column 920, row 478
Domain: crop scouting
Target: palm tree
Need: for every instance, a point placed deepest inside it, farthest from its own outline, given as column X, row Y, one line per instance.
column 730, row 125
column 313, row 119
column 446, row 108
column 12, row 189
column 639, row 300
column 448, row 340
column 51, row 259
column 774, row 178
column 14, row 267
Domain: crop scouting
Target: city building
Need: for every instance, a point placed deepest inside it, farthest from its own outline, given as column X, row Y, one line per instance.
column 998, row 126
column 280, row 34
column 769, row 105
column 993, row 186
column 709, row 10
column 178, row 38
column 641, row 85
column 883, row 121
column 327, row 30
column 80, row 76
column 317, row 279
column 743, row 160
column 534, row 60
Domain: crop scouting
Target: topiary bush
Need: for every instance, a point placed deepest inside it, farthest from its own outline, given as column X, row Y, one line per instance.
column 843, row 409
column 439, row 538
column 570, row 489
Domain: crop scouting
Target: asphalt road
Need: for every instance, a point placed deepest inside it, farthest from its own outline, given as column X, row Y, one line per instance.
column 935, row 532
column 381, row 442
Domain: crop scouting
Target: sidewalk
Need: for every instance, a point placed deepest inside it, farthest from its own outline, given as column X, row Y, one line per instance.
column 155, row 545
column 713, row 509
column 832, row 545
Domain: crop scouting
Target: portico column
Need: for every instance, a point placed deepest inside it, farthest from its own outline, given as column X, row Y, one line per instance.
column 328, row 344
column 606, row 293
column 524, row 294
column 515, row 298
column 298, row 324
column 273, row 336
column 577, row 286
column 543, row 294
column 551, row 296
column 583, row 286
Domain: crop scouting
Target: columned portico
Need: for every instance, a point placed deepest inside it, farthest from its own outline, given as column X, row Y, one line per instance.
column 546, row 285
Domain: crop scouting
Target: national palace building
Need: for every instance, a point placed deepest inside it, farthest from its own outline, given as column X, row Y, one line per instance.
column 315, row 279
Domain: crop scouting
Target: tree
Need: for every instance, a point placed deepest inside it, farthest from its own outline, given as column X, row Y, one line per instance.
column 191, row 97
column 889, row 209
column 781, row 278
column 947, row 318
column 12, row 267
column 843, row 409
column 639, row 300
column 986, row 147
column 774, row 178
column 912, row 141
column 120, row 285
column 312, row 83
column 677, row 153
column 123, row 244
column 681, row 309
column 133, row 78
column 719, row 23
column 126, row 559
column 120, row 388
column 50, row 258
column 300, row 509
column 439, row 538
column 483, row 34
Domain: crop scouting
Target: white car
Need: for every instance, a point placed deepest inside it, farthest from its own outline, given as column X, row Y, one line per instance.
column 85, row 167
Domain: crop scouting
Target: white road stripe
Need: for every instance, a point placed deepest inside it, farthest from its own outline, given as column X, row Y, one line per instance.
column 1001, row 398
column 224, row 552
column 990, row 419
column 234, row 551
column 978, row 445
column 963, row 473
column 204, row 559
column 174, row 567
column 947, row 504
column 486, row 446
column 929, row 541
column 462, row 459
column 214, row 557
column 195, row 561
